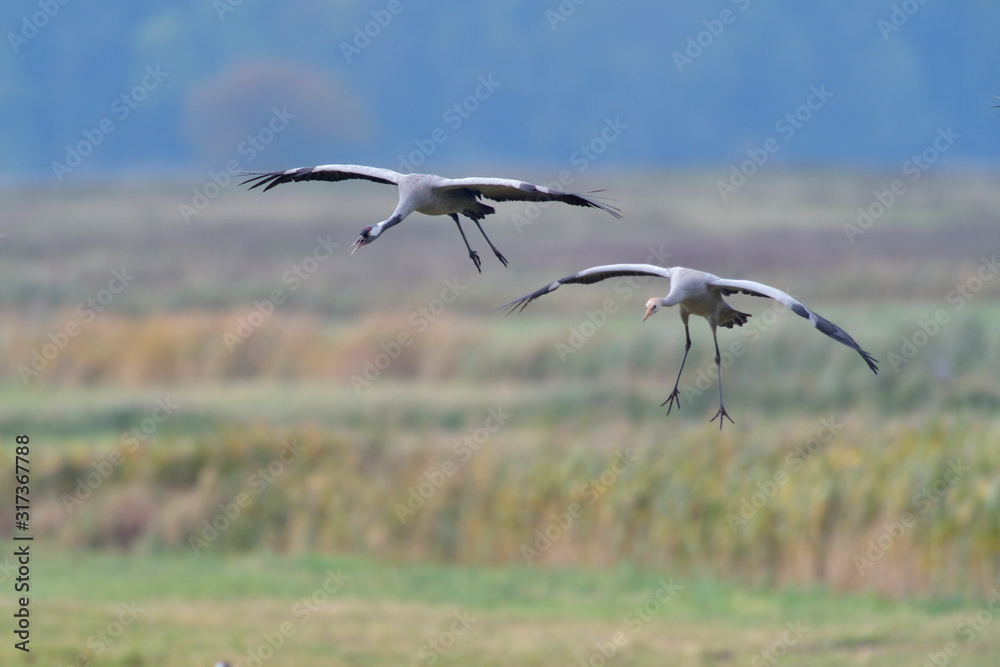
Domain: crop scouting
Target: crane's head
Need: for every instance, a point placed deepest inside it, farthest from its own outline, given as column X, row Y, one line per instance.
column 652, row 306
column 368, row 234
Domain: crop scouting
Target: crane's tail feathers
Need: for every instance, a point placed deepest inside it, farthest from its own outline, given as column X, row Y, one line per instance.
column 478, row 212
column 733, row 317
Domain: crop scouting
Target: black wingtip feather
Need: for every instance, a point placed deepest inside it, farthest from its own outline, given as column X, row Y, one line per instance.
column 607, row 208
column 259, row 178
column 268, row 179
column 827, row 327
column 510, row 308
column 518, row 305
column 870, row 360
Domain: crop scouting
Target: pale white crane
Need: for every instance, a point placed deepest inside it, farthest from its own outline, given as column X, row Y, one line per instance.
column 698, row 293
column 430, row 195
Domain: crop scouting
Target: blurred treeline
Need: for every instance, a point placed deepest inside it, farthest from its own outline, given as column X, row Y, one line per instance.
column 226, row 65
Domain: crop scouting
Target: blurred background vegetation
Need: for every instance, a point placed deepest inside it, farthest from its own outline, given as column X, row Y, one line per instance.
column 227, row 64
column 159, row 428
column 224, row 406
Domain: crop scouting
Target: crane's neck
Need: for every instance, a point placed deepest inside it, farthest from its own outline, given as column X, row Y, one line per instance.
column 393, row 220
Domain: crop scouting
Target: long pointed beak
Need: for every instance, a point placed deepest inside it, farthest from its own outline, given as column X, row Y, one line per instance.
column 357, row 244
column 649, row 311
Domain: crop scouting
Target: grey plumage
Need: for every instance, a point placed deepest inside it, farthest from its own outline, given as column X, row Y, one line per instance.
column 431, row 195
column 698, row 293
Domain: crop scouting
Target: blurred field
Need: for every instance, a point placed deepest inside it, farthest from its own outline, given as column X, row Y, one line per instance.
column 574, row 379
column 154, row 609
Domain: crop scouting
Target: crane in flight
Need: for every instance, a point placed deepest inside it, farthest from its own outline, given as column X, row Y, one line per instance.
column 430, row 195
column 698, row 293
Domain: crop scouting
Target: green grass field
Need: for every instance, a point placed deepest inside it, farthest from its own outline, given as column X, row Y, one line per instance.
column 578, row 380
column 323, row 610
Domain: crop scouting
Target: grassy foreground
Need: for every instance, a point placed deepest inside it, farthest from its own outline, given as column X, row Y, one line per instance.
column 169, row 610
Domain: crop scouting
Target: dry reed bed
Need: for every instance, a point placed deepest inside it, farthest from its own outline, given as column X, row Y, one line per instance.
column 908, row 507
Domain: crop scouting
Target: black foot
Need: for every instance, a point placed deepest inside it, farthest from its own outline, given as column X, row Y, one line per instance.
column 720, row 414
column 503, row 260
column 673, row 398
column 475, row 260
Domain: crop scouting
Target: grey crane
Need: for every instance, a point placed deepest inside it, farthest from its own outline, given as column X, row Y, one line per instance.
column 430, row 195
column 698, row 293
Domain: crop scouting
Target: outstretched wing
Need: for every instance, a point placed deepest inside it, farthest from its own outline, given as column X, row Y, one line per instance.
column 592, row 275
column 326, row 172
column 504, row 189
column 727, row 287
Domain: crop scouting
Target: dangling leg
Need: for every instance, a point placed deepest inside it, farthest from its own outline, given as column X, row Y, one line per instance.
column 472, row 253
column 675, row 395
column 503, row 260
column 718, row 365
